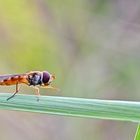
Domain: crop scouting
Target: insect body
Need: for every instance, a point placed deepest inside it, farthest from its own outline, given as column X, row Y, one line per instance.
column 33, row 78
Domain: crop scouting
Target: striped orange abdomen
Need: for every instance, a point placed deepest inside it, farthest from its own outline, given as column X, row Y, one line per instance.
column 13, row 79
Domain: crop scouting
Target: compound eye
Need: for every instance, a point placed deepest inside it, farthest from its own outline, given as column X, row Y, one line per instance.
column 46, row 77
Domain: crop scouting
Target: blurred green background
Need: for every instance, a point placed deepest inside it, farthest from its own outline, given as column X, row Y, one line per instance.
column 93, row 48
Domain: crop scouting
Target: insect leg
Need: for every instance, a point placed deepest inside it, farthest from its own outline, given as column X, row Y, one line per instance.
column 37, row 92
column 50, row 87
column 17, row 89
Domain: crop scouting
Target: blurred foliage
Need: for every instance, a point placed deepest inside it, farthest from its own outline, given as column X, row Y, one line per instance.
column 137, row 135
column 91, row 46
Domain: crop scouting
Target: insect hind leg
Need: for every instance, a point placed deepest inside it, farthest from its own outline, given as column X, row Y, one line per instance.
column 17, row 89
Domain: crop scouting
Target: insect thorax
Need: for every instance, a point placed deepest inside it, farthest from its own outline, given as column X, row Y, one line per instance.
column 39, row 78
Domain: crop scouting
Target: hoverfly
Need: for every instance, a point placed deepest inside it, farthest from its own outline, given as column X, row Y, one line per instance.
column 33, row 78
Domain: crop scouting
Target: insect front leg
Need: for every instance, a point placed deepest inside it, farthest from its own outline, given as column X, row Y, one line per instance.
column 17, row 89
column 50, row 87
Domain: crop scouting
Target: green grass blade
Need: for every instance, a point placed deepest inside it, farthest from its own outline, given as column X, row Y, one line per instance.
column 137, row 135
column 93, row 108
